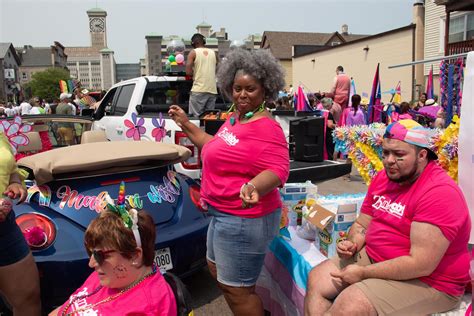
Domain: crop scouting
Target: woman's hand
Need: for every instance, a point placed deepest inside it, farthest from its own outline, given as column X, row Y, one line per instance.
column 5, row 208
column 178, row 115
column 249, row 195
column 16, row 191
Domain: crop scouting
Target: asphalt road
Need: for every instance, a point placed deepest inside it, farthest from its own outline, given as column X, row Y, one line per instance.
column 208, row 299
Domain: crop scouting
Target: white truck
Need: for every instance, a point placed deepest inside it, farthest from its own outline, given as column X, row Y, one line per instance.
column 137, row 109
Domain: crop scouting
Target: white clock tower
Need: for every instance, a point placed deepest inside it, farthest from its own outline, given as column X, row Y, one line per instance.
column 98, row 27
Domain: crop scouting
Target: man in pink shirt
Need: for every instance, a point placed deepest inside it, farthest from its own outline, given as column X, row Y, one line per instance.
column 341, row 88
column 407, row 251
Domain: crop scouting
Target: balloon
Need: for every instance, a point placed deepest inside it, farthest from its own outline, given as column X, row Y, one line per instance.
column 167, row 62
column 172, row 59
column 179, row 58
column 173, row 63
column 175, row 46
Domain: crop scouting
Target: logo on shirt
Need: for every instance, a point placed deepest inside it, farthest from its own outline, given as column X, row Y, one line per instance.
column 386, row 205
column 228, row 137
column 80, row 302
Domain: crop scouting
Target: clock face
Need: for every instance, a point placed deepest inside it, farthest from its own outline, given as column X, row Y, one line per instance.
column 97, row 25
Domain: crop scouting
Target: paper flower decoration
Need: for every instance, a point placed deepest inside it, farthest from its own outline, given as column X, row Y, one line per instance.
column 135, row 127
column 15, row 132
column 363, row 144
column 159, row 132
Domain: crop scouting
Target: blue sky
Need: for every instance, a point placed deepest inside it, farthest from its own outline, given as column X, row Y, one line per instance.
column 41, row 22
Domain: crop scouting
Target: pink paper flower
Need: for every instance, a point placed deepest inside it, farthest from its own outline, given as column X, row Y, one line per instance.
column 160, row 131
column 135, row 127
column 15, row 132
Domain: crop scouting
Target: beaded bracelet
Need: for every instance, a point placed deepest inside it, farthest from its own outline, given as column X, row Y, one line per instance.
column 247, row 183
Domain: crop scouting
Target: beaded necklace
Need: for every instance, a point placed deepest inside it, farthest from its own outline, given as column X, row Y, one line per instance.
column 108, row 299
column 247, row 115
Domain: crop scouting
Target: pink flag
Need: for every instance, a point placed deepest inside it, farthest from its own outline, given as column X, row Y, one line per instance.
column 429, row 85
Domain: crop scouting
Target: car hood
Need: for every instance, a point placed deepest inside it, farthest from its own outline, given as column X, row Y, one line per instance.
column 101, row 158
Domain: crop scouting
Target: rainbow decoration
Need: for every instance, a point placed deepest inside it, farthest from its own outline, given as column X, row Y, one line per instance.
column 363, row 144
column 120, row 208
column 445, row 145
column 63, row 86
column 44, row 194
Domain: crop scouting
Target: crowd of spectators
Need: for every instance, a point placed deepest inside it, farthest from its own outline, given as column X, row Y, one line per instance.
column 78, row 100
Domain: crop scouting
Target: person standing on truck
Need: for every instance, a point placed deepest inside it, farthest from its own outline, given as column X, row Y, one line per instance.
column 340, row 88
column 243, row 166
column 201, row 65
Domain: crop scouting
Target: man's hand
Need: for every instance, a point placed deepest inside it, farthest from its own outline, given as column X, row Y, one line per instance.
column 350, row 274
column 16, row 191
column 346, row 249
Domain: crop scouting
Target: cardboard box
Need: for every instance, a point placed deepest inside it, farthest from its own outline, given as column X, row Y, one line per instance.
column 332, row 227
column 293, row 197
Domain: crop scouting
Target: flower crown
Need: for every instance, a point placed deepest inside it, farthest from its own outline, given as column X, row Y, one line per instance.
column 129, row 217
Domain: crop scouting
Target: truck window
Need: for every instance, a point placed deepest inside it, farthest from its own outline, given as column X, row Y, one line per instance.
column 123, row 100
column 106, row 104
column 160, row 95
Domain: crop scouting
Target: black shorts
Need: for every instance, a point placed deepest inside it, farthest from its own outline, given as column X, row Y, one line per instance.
column 13, row 246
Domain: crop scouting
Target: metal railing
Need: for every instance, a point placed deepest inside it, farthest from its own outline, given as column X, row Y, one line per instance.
column 459, row 47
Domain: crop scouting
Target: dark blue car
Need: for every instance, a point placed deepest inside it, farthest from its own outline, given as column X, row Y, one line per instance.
column 68, row 185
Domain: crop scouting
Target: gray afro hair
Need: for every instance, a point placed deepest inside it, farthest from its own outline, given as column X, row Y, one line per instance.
column 260, row 64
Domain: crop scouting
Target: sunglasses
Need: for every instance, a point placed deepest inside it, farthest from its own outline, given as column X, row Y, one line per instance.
column 99, row 255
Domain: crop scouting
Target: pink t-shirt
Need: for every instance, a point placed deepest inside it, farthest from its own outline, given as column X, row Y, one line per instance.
column 235, row 156
column 152, row 297
column 433, row 198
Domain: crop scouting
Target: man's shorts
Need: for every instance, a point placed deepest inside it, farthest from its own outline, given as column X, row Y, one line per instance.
column 200, row 102
column 66, row 133
column 389, row 297
column 238, row 245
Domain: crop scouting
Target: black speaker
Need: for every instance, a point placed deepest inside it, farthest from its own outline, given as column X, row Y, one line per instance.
column 307, row 139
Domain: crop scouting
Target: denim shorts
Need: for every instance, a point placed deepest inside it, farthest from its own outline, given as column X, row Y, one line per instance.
column 13, row 246
column 237, row 245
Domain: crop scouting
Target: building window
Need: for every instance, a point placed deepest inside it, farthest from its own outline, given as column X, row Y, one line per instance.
column 24, row 76
column 335, row 43
column 461, row 28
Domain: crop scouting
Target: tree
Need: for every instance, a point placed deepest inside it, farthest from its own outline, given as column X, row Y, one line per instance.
column 45, row 84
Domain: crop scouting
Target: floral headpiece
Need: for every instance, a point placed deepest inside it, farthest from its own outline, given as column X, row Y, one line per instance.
column 129, row 217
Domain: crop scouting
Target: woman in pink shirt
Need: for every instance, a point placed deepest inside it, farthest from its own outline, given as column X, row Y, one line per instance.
column 125, row 280
column 243, row 166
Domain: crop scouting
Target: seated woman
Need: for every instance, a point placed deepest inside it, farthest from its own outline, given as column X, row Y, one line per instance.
column 125, row 281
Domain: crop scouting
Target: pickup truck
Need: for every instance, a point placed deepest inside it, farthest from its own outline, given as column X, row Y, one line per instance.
column 137, row 109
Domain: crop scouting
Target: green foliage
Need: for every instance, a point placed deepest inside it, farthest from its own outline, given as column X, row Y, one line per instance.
column 45, row 84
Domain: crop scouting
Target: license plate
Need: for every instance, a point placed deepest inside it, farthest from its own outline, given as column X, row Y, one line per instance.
column 163, row 259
